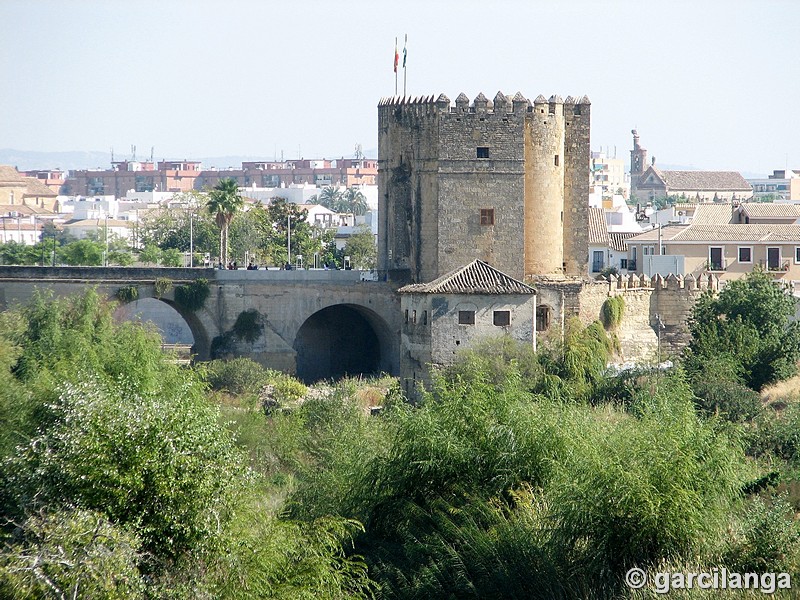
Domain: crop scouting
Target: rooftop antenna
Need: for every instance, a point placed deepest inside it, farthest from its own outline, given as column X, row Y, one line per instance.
column 112, row 154
column 133, row 152
column 152, row 149
column 359, row 152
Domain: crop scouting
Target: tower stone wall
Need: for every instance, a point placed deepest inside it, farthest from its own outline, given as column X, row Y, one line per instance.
column 505, row 181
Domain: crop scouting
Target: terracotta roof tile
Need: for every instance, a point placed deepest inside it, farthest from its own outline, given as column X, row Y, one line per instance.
column 770, row 209
column 598, row 230
column 619, row 241
column 477, row 277
column 705, row 180
column 712, row 214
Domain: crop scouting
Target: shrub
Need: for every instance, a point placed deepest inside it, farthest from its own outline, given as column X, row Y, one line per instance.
column 612, row 311
column 158, row 463
column 237, row 376
column 70, row 554
column 733, row 400
column 128, row 293
column 193, row 296
column 162, row 286
column 768, row 539
column 286, row 389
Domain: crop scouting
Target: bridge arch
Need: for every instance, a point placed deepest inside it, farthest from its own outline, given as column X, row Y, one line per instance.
column 343, row 339
column 201, row 347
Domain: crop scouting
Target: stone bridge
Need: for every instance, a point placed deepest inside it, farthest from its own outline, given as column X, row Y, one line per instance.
column 317, row 324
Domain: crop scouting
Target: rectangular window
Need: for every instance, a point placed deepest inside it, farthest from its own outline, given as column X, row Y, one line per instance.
column 424, row 317
column 715, row 261
column 406, row 315
column 773, row 259
column 483, row 152
column 487, row 216
column 413, row 316
column 623, row 263
column 466, row 317
column 555, row 160
column 502, row 318
column 797, row 255
column 745, row 254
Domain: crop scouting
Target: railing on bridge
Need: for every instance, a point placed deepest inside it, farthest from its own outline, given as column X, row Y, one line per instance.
column 181, row 352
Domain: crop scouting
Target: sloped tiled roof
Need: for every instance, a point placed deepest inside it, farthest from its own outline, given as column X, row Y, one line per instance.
column 618, row 241
column 705, row 180
column 712, row 214
column 9, row 174
column 34, row 187
column 668, row 233
column 477, row 277
column 98, row 223
column 732, row 232
column 598, row 230
column 770, row 210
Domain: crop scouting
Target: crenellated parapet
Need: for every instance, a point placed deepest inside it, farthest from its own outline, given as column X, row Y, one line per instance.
column 501, row 104
column 671, row 282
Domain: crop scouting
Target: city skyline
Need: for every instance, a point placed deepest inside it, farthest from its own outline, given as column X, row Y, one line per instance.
column 705, row 84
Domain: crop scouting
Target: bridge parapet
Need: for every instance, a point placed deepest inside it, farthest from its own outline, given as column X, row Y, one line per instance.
column 103, row 274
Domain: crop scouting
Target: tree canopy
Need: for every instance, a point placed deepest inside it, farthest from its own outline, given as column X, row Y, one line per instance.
column 746, row 331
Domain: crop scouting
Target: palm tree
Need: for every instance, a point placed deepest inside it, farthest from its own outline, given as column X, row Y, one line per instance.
column 356, row 201
column 223, row 202
column 330, row 197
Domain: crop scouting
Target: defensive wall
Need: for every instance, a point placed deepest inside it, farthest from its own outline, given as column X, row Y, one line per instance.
column 316, row 324
column 651, row 306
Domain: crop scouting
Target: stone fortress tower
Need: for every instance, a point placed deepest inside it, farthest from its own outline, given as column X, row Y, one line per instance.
column 505, row 181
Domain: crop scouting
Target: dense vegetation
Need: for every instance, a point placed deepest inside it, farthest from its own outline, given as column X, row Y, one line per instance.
column 519, row 475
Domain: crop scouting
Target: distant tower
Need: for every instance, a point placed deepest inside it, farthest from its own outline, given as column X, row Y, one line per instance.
column 505, row 181
column 638, row 161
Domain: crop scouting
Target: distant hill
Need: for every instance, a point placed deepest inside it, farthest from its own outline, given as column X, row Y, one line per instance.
column 26, row 160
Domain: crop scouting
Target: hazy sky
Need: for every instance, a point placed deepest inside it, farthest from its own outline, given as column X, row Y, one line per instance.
column 708, row 84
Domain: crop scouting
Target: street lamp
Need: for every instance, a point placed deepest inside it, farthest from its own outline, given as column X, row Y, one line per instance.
column 191, row 237
column 289, row 238
column 106, row 256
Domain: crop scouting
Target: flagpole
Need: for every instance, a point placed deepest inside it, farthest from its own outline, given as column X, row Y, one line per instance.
column 395, row 66
column 405, row 43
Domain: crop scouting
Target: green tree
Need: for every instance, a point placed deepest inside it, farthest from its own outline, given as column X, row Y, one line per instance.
column 280, row 219
column 246, row 237
column 181, row 227
column 83, row 252
column 746, row 330
column 14, row 253
column 361, row 248
column 150, row 255
column 172, row 257
column 223, row 203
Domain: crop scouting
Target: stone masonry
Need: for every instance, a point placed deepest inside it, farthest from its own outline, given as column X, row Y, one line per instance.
column 504, row 181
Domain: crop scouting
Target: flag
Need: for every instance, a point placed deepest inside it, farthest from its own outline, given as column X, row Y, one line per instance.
column 396, row 55
column 405, row 43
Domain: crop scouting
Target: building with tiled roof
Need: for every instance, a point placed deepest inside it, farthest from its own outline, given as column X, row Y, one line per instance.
column 454, row 311
column 477, row 277
column 768, row 212
column 649, row 182
column 728, row 250
column 17, row 191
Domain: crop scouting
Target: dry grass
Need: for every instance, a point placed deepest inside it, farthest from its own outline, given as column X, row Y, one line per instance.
column 780, row 394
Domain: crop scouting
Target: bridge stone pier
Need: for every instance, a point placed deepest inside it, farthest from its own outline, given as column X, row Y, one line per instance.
column 316, row 324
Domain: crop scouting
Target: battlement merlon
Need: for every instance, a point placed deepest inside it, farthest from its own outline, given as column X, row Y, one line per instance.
column 502, row 103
